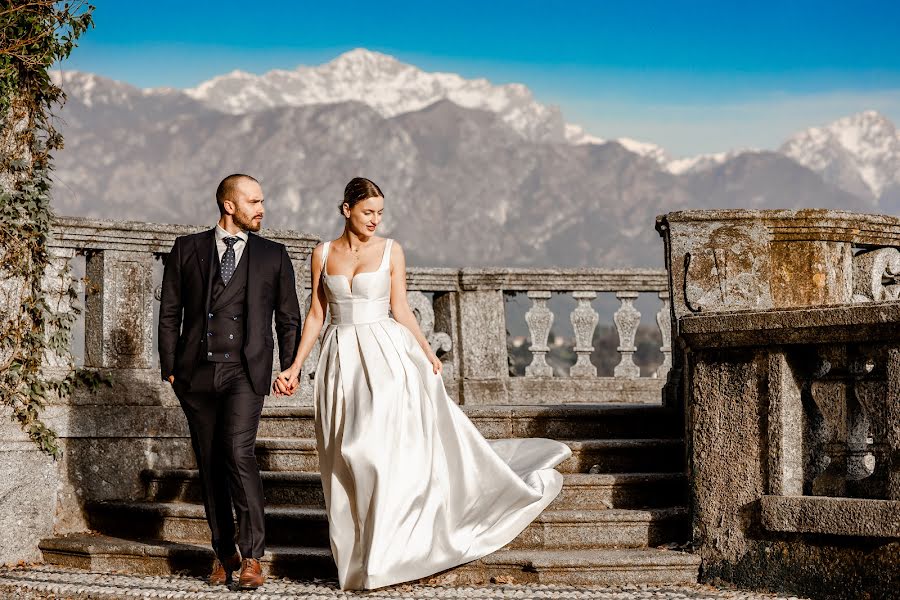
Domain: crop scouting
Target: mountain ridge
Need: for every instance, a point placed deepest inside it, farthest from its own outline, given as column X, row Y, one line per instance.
column 463, row 186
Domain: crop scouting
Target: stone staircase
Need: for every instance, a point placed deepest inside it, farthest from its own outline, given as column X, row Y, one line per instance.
column 623, row 495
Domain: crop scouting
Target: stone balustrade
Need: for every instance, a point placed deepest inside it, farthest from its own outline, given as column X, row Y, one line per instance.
column 485, row 376
column 461, row 312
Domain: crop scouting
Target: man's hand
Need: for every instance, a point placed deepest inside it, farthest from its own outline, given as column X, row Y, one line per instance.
column 286, row 383
column 172, row 379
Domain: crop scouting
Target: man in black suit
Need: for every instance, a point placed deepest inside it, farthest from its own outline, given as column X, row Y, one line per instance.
column 220, row 290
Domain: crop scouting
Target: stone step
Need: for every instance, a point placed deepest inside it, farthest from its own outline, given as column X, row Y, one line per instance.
column 580, row 490
column 291, row 525
column 621, row 490
column 611, row 455
column 594, row 567
column 562, row 421
column 620, row 567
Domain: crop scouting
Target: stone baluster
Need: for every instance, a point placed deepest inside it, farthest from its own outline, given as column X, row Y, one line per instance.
column 874, row 398
column 584, row 322
column 627, row 319
column 831, row 399
column 539, row 319
column 446, row 319
column 664, row 321
column 119, row 310
column 439, row 341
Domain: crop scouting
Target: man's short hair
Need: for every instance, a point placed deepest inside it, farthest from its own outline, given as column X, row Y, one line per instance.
column 226, row 189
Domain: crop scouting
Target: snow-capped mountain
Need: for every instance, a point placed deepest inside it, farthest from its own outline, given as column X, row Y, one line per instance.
column 539, row 190
column 703, row 162
column 859, row 153
column 384, row 83
column 646, row 149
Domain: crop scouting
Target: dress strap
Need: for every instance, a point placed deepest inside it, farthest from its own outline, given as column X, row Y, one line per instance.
column 325, row 248
column 386, row 257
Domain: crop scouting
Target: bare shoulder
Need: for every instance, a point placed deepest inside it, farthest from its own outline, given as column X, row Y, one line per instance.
column 316, row 256
column 397, row 259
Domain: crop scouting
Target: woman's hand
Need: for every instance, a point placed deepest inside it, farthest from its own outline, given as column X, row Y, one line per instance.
column 436, row 363
column 287, row 381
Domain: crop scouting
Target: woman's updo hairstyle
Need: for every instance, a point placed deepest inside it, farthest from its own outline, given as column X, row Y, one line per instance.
column 358, row 190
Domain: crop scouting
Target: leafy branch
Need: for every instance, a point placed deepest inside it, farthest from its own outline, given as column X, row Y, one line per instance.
column 34, row 322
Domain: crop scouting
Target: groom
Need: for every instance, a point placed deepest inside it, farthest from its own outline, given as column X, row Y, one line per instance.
column 220, row 290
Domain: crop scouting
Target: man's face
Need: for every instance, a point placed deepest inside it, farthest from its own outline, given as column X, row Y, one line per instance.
column 247, row 202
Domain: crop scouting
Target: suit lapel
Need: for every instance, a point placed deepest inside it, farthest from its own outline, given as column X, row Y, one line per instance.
column 252, row 257
column 206, row 256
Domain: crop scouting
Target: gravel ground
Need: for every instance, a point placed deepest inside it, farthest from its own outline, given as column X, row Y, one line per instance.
column 52, row 583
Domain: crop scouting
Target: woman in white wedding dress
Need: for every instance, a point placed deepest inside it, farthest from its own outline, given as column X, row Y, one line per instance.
column 411, row 487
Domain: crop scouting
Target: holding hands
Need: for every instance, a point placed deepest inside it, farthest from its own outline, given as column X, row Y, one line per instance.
column 287, row 381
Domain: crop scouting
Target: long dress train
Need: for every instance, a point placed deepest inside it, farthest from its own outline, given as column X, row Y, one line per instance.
column 411, row 487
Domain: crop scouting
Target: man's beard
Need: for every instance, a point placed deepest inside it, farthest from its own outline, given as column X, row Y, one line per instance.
column 246, row 223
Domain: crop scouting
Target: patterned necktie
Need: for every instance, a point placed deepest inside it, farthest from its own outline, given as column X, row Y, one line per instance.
column 228, row 262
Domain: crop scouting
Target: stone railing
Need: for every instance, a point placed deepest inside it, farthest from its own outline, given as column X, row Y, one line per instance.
column 482, row 335
column 789, row 333
column 461, row 312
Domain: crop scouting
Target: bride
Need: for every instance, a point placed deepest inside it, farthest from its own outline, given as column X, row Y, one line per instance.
column 411, row 487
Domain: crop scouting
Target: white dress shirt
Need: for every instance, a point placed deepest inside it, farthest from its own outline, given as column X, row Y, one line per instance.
column 239, row 246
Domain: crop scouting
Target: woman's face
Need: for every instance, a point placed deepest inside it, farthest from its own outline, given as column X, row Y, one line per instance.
column 365, row 216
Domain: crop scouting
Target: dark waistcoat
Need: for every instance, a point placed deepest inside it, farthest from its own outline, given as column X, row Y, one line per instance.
column 227, row 318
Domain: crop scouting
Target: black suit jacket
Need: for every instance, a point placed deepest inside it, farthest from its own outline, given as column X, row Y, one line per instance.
column 186, row 291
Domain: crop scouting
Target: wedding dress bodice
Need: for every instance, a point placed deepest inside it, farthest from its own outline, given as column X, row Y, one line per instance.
column 364, row 299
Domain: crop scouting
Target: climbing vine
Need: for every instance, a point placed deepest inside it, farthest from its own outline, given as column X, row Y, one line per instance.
column 35, row 322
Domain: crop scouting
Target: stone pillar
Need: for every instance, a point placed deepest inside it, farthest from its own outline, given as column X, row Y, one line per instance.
column 785, row 428
column 119, row 310
column 664, row 322
column 29, row 479
column 482, row 323
column 28, row 492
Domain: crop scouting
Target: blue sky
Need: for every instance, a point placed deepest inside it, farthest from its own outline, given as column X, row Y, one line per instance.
column 692, row 76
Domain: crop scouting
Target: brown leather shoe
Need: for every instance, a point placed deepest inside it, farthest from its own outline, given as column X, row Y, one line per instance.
column 221, row 573
column 251, row 574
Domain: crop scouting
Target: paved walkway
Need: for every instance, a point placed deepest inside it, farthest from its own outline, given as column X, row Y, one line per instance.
column 52, row 583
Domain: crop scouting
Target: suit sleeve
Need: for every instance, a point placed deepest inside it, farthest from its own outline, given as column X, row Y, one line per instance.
column 287, row 312
column 170, row 311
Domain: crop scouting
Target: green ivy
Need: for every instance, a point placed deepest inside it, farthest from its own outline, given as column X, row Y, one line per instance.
column 34, row 36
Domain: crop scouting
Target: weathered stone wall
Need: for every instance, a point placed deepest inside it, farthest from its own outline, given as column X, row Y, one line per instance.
column 28, row 492
column 729, row 453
